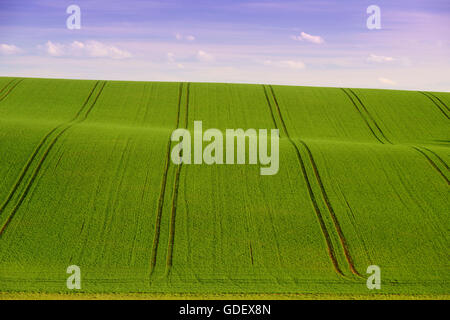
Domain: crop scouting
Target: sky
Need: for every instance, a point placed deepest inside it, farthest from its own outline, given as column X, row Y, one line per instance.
column 308, row 43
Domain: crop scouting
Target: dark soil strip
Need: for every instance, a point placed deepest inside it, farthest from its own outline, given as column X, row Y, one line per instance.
column 42, row 160
column 36, row 151
column 362, row 116
column 10, row 89
column 172, row 220
column 171, row 242
column 431, row 162
column 332, row 213
column 438, row 157
column 415, row 148
column 439, row 99
column 6, row 85
column 159, row 210
column 270, row 108
column 370, row 116
column 430, row 97
column 324, row 195
column 163, row 190
column 330, row 248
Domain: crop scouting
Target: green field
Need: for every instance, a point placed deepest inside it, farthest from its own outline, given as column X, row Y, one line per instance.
column 85, row 179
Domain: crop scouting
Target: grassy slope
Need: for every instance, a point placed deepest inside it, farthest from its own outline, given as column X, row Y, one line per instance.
column 236, row 229
column 374, row 161
column 374, row 185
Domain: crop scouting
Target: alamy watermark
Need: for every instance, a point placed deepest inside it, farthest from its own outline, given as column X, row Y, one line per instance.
column 74, row 20
column 374, row 280
column 74, row 280
column 235, row 142
column 374, row 20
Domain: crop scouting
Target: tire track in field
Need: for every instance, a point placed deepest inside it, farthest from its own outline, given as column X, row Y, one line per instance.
column 113, row 190
column 432, row 163
column 6, row 85
column 336, row 223
column 10, row 89
column 171, row 242
column 362, row 116
column 349, row 95
column 438, row 157
column 430, row 96
column 439, row 99
column 35, row 153
column 370, row 116
column 64, row 127
column 268, row 209
column 172, row 221
column 360, row 238
column 418, row 149
column 163, row 190
column 330, row 247
column 324, row 194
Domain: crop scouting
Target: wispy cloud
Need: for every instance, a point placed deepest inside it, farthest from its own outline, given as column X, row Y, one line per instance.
column 308, row 37
column 180, row 37
column 172, row 60
column 379, row 59
column 171, row 57
column 387, row 81
column 9, row 49
column 204, row 56
column 293, row 64
column 87, row 49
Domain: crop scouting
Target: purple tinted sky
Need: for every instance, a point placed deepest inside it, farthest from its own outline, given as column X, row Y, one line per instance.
column 231, row 41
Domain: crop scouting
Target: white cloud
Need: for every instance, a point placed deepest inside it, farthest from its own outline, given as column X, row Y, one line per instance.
column 387, row 81
column 293, row 64
column 180, row 37
column 204, row 57
column 9, row 49
column 54, row 49
column 172, row 60
column 171, row 57
column 88, row 49
column 379, row 59
column 308, row 37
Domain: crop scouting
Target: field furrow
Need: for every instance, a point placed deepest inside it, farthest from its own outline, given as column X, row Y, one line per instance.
column 432, row 163
column 439, row 104
column 443, row 98
column 35, row 153
column 331, row 249
column 362, row 115
column 372, row 120
column 331, row 212
column 5, row 218
column 163, row 188
column 5, row 83
column 173, row 213
column 343, row 241
column 113, row 180
column 9, row 88
column 437, row 157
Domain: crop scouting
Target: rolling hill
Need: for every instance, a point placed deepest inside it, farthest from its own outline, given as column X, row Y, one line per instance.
column 86, row 179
